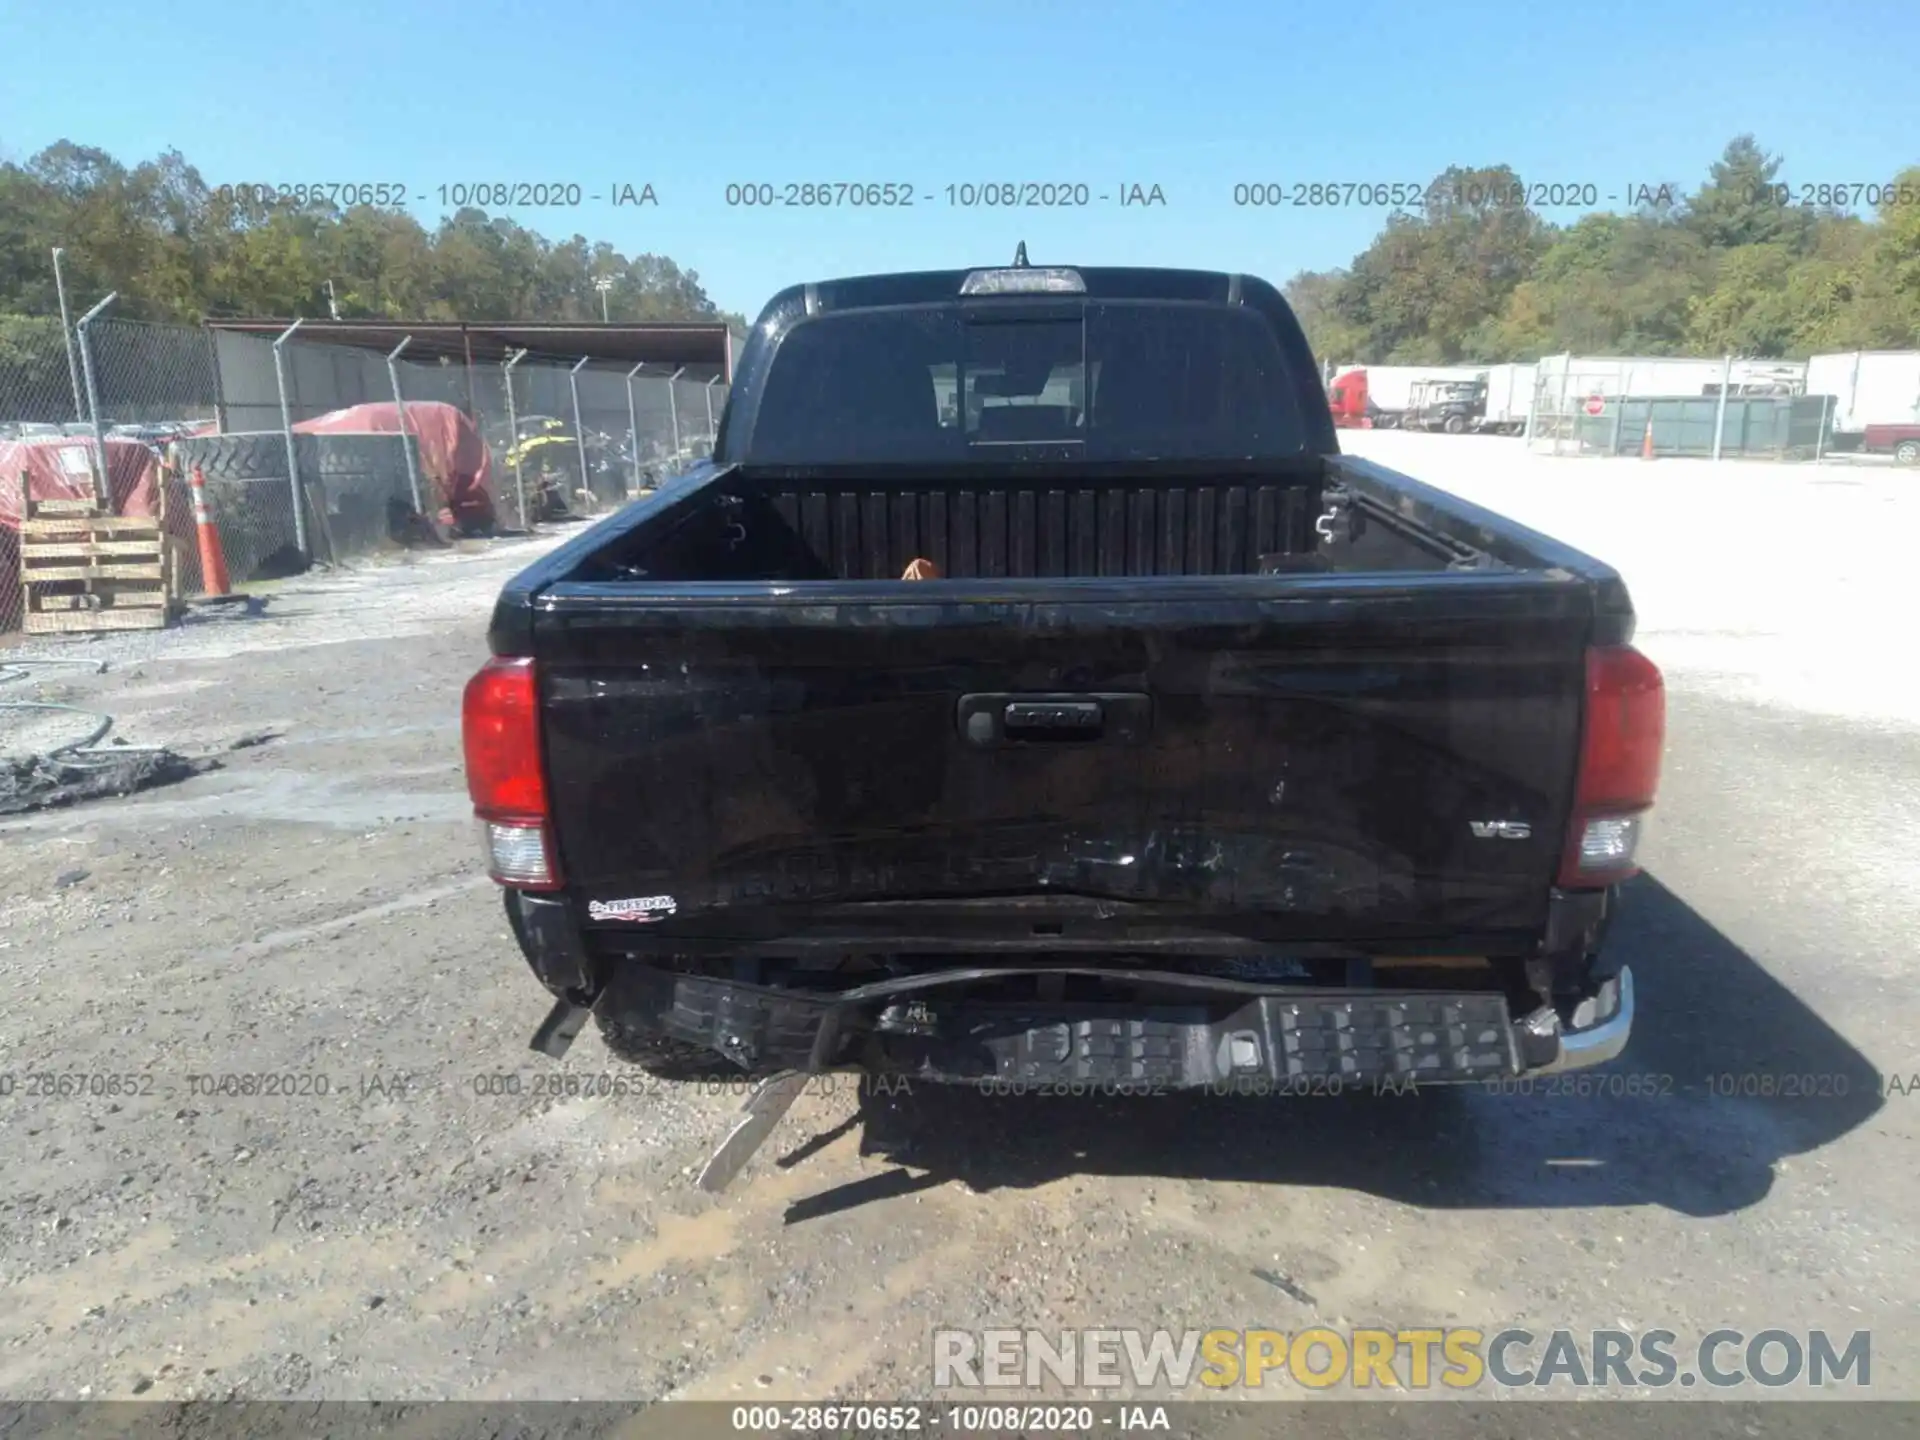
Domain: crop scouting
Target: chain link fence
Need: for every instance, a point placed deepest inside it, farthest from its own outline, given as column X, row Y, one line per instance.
column 40, row 385
column 1729, row 408
column 118, row 386
column 321, row 422
column 355, row 488
column 560, row 435
column 289, row 478
column 153, row 381
column 582, row 435
column 40, row 405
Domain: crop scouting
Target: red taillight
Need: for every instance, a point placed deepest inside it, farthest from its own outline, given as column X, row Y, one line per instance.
column 1623, row 729
column 506, row 779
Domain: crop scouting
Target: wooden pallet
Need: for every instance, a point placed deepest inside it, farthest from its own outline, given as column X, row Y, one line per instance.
column 84, row 570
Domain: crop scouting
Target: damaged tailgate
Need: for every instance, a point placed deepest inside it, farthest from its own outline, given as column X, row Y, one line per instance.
column 1063, row 763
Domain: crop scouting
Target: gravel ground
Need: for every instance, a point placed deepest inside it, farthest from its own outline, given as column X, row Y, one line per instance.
column 1777, row 584
column 430, row 1214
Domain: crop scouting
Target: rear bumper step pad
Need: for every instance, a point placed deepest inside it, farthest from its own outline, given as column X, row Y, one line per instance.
column 1268, row 1036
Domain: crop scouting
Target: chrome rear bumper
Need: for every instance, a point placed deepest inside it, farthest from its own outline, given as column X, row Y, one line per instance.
column 1599, row 1036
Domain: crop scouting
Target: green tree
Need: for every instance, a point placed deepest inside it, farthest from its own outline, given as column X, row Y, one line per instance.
column 1739, row 204
column 28, row 232
column 1469, row 275
column 1429, row 280
column 1749, row 310
column 177, row 249
column 35, row 383
column 1315, row 298
column 381, row 264
column 1609, row 284
column 1889, row 277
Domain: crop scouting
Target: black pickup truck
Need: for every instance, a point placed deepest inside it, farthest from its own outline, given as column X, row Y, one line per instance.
column 1205, row 756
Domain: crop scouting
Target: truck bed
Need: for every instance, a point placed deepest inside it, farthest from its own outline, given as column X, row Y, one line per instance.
column 736, row 525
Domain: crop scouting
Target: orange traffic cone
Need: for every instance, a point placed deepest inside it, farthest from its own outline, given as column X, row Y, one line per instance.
column 213, row 561
column 1646, row 443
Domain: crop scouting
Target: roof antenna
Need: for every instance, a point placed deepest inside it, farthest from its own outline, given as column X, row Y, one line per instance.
column 1020, row 256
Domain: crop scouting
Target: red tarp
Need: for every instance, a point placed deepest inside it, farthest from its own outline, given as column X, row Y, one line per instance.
column 60, row 467
column 453, row 456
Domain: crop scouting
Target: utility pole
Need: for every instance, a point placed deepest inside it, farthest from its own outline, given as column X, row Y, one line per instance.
column 103, row 482
column 603, row 285
column 333, row 306
column 513, row 440
column 293, row 455
column 66, row 331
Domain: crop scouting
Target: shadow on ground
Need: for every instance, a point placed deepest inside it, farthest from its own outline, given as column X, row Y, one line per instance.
column 1727, row 1073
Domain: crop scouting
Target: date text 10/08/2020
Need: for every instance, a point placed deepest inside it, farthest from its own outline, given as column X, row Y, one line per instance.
column 271, row 1087
column 914, row 1418
column 1398, row 194
column 1266, row 194
column 497, row 194
column 1550, row 195
column 968, row 195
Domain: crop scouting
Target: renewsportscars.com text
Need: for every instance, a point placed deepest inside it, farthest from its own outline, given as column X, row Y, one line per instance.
column 1459, row 1358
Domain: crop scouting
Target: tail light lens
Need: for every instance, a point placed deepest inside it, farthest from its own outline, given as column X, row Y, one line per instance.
column 1624, row 729
column 506, row 776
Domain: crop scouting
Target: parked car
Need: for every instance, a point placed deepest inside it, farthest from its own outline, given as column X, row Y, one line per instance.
column 158, row 432
column 28, row 430
column 1900, row 441
column 1213, row 757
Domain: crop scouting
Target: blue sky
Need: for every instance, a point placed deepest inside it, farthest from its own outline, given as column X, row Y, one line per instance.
column 1192, row 97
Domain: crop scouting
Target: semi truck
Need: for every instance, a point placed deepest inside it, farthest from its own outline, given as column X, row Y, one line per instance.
column 1490, row 400
column 1386, row 392
column 1452, row 406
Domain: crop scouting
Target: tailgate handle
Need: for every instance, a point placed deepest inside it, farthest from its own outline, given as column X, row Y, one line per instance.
column 1054, row 720
column 990, row 721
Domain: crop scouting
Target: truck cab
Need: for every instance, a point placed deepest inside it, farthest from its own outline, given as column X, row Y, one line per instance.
column 1455, row 406
column 1347, row 399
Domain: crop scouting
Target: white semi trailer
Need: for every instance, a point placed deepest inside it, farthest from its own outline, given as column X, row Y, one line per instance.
column 1509, row 398
column 1869, row 387
column 1564, row 382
